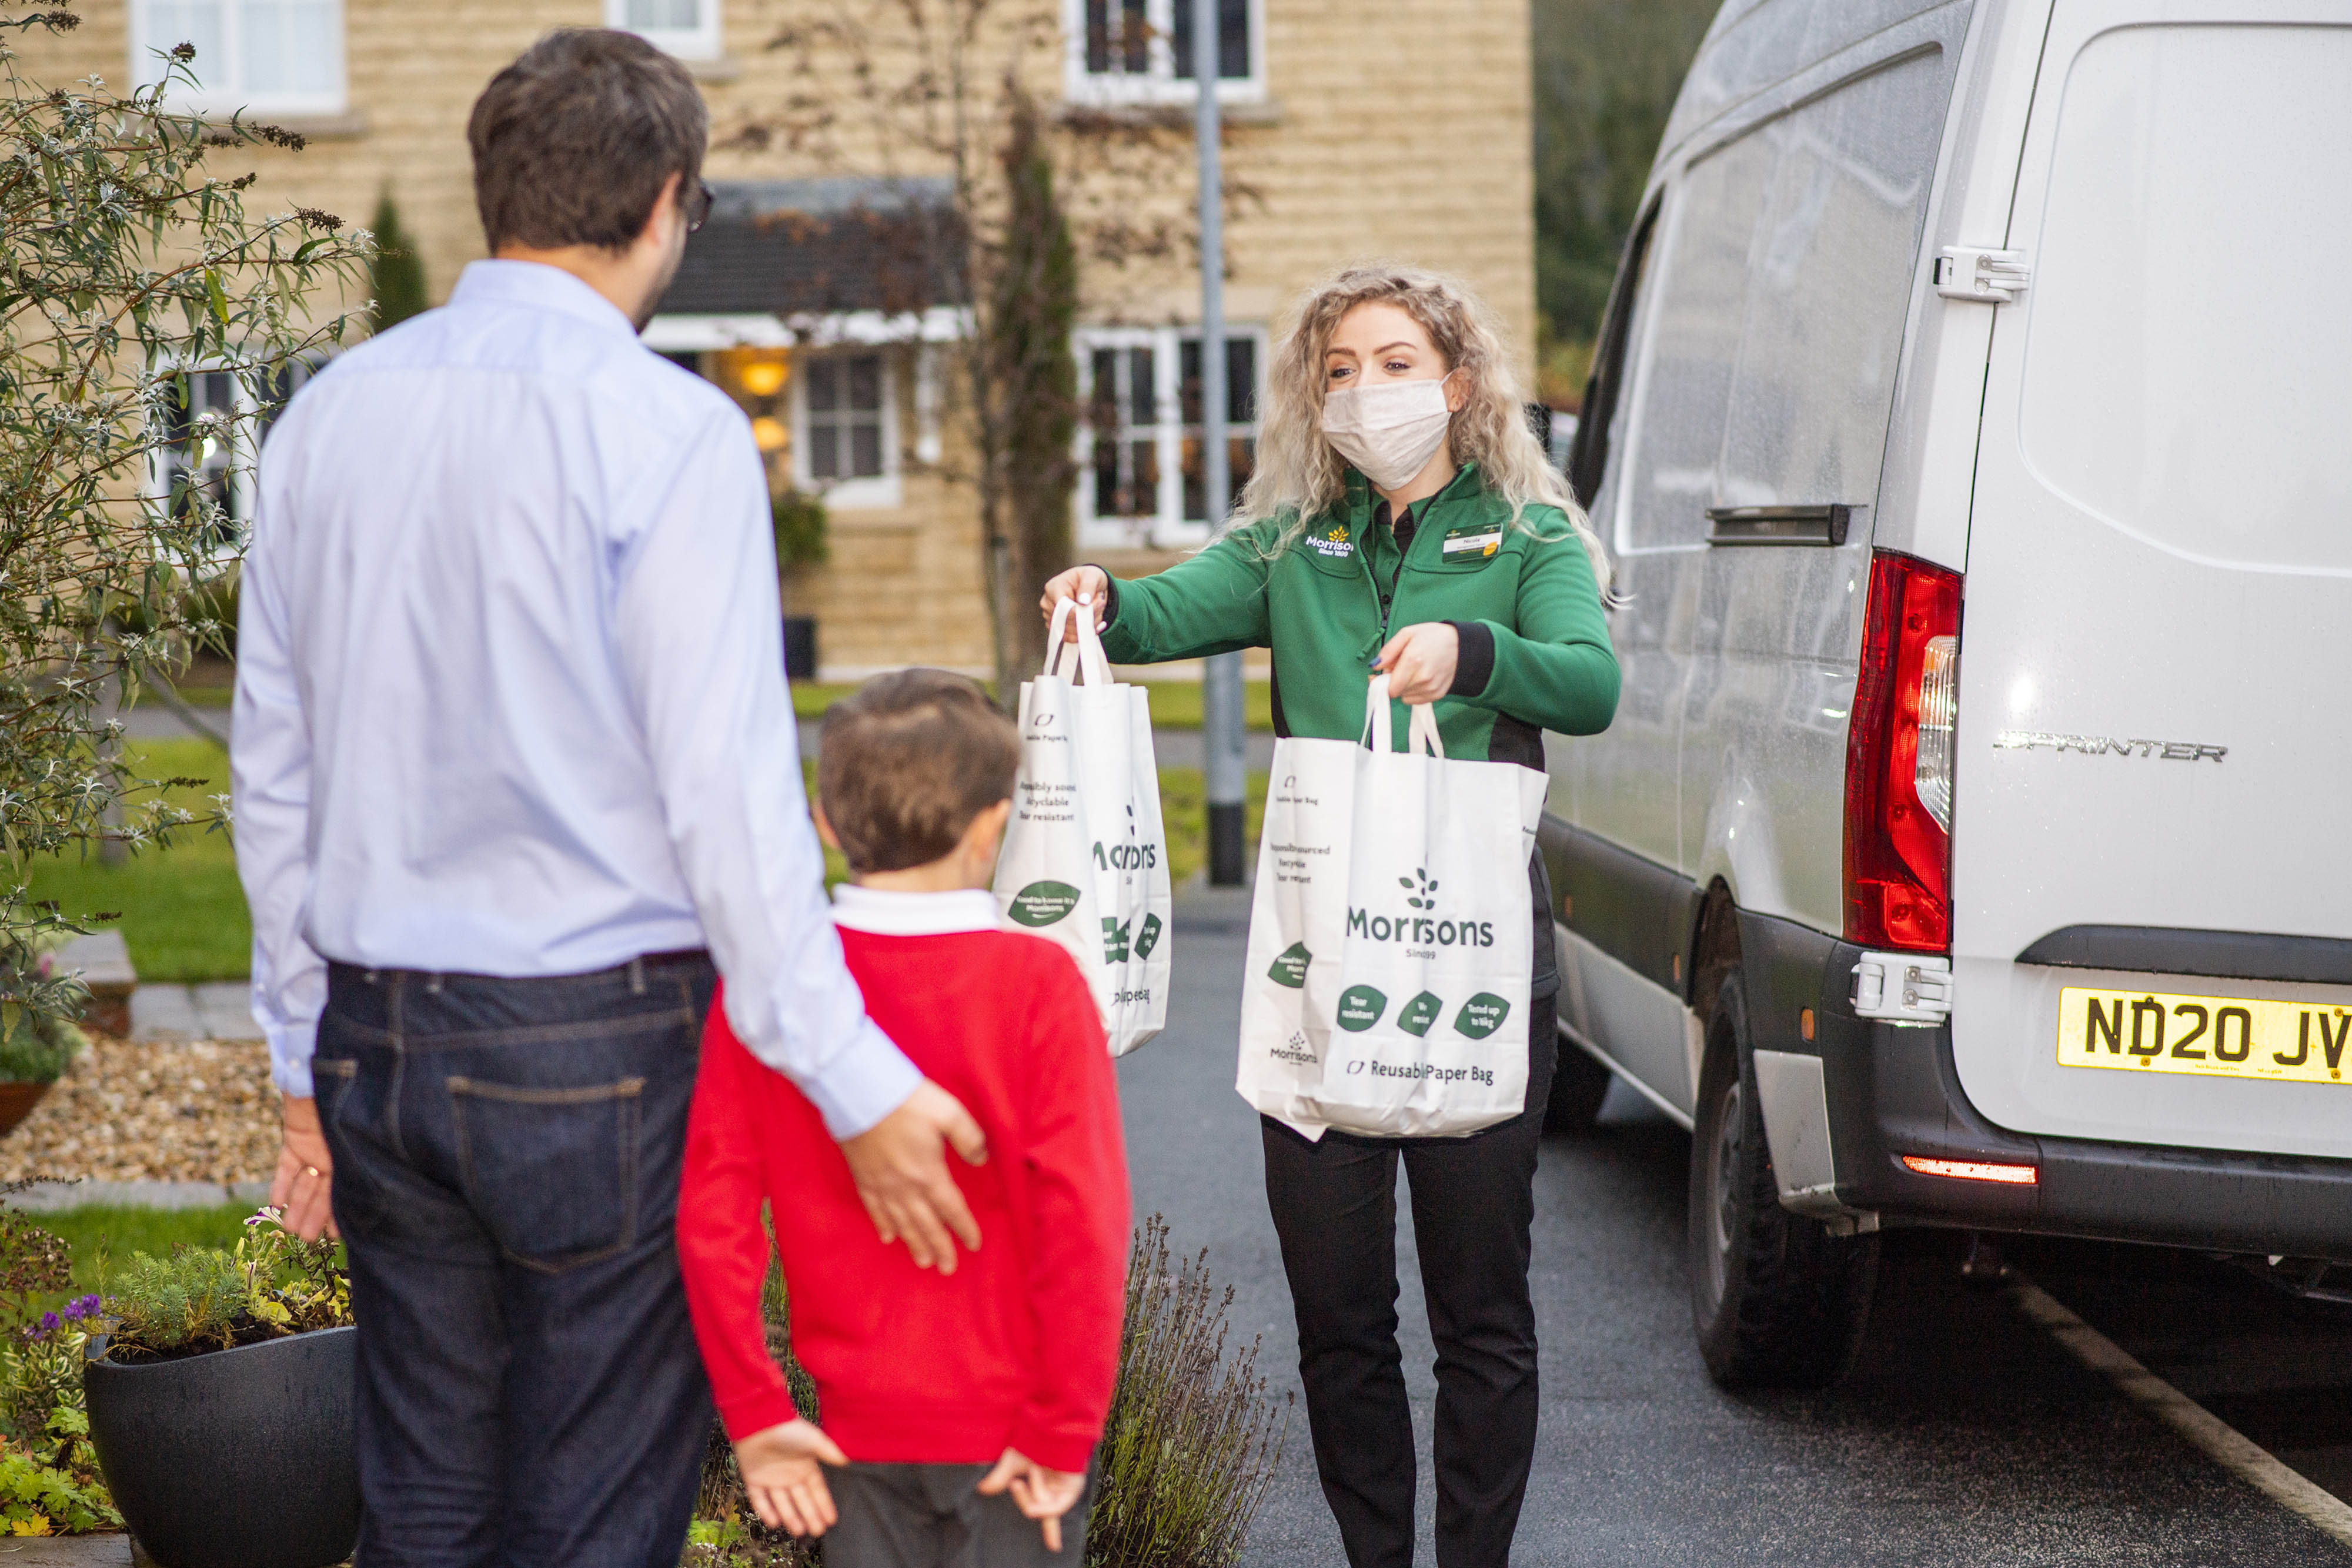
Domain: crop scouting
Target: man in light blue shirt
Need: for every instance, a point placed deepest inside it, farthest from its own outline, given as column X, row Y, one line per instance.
column 514, row 763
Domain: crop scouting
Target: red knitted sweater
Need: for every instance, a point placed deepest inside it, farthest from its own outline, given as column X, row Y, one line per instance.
column 1019, row 1346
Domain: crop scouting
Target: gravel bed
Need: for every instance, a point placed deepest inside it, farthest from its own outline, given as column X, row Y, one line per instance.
column 170, row 1111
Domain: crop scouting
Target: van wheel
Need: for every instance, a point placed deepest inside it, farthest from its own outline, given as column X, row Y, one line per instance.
column 1778, row 1301
column 1578, row 1084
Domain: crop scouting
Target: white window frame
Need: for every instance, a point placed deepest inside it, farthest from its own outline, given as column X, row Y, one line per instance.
column 697, row 43
column 216, row 96
column 1168, row 529
column 1159, row 85
column 243, row 455
column 884, row 490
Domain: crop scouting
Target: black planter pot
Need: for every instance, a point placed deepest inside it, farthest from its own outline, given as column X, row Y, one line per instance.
column 236, row 1459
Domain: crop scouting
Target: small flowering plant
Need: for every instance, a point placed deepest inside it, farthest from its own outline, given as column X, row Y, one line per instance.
column 42, row 1372
column 202, row 1298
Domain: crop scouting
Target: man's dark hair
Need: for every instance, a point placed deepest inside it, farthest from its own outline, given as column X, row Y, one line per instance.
column 573, row 142
column 907, row 762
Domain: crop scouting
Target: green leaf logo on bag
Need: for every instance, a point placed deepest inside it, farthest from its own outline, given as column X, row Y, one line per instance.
column 1114, row 941
column 1360, row 1007
column 1481, row 1016
column 1149, row 938
column 1420, row 1013
column 1290, row 967
column 1043, row 903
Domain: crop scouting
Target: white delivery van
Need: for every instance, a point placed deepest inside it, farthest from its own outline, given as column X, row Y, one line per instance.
column 1972, row 427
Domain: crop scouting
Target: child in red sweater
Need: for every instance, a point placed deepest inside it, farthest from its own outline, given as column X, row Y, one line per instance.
column 960, row 1406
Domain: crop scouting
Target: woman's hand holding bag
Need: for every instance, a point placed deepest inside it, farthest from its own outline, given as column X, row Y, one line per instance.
column 1389, row 959
column 1085, row 861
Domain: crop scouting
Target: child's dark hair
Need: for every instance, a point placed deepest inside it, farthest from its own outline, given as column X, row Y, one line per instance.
column 907, row 762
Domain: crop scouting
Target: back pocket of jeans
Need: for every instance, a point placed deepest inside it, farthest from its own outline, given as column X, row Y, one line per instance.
column 552, row 1172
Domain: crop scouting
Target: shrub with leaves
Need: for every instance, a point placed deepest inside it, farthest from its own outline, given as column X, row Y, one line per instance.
column 42, row 1367
column 726, row 1533
column 1191, row 1442
column 125, row 267
column 802, row 530
column 40, row 1499
column 202, row 1298
column 50, row 1481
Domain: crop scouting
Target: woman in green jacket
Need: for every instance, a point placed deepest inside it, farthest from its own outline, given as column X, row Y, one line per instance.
column 1402, row 518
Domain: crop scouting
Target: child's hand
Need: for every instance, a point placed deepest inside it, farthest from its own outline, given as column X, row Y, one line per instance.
column 785, row 1482
column 1043, row 1494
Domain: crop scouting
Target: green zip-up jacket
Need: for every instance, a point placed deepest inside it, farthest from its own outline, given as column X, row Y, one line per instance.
column 1535, row 647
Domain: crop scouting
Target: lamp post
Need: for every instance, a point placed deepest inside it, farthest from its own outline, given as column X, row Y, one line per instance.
column 1225, row 758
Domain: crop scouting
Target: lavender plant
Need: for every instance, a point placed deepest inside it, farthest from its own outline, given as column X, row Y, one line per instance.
column 1191, row 1442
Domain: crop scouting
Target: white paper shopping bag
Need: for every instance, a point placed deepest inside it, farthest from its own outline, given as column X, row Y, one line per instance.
column 1387, row 991
column 1086, row 858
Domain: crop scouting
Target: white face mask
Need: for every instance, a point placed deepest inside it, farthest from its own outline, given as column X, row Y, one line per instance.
column 1389, row 431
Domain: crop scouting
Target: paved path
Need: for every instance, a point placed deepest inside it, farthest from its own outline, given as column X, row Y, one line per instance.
column 67, row 1552
column 221, row 1010
column 1966, row 1436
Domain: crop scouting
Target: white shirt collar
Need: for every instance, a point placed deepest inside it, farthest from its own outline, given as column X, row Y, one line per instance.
column 885, row 913
column 537, row 284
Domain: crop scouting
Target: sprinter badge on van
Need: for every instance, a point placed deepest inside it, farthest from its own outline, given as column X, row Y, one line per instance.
column 2108, row 745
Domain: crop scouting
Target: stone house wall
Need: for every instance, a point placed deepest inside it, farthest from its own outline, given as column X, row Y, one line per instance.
column 1398, row 130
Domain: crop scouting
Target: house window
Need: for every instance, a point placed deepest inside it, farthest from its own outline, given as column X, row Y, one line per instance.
column 845, row 445
column 268, row 56
column 1141, row 482
column 686, row 29
column 1140, row 51
column 214, row 423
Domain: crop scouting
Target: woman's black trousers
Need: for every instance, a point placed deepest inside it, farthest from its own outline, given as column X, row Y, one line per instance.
column 1334, row 1207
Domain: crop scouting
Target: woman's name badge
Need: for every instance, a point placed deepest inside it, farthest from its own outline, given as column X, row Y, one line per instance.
column 1483, row 542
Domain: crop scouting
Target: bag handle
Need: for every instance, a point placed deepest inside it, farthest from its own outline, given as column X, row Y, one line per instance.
column 1084, row 654
column 1420, row 734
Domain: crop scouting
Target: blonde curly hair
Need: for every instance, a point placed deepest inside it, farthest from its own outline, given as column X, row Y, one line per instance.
column 1298, row 475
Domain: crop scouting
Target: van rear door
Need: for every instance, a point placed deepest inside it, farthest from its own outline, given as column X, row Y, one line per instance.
column 2155, row 726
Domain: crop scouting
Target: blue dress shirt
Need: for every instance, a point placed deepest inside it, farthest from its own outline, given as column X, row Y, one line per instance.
column 510, row 694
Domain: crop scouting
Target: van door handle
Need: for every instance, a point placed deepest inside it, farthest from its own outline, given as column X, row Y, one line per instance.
column 1820, row 525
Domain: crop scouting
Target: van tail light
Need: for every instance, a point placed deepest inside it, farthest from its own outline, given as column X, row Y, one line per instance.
column 1898, row 759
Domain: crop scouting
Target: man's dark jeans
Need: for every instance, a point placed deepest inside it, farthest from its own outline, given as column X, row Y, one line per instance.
column 507, row 1159
column 1333, row 1204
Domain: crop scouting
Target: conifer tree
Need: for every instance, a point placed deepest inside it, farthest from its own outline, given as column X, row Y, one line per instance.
column 396, row 274
column 1033, row 376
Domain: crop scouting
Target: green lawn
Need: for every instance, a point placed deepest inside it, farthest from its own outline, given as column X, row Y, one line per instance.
column 182, row 911
column 1175, row 704
column 104, row 1236
column 192, row 694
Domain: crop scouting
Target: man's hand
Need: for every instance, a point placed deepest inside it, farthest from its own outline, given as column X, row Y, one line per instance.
column 902, row 1176
column 785, row 1480
column 1043, row 1494
column 304, row 1186
column 1419, row 662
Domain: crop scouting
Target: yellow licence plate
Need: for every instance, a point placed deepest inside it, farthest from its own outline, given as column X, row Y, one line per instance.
column 2226, row 1037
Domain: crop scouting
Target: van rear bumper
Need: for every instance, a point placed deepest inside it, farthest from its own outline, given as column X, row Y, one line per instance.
column 1893, row 1090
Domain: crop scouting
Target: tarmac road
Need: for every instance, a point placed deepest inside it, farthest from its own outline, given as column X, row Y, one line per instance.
column 1967, row 1436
